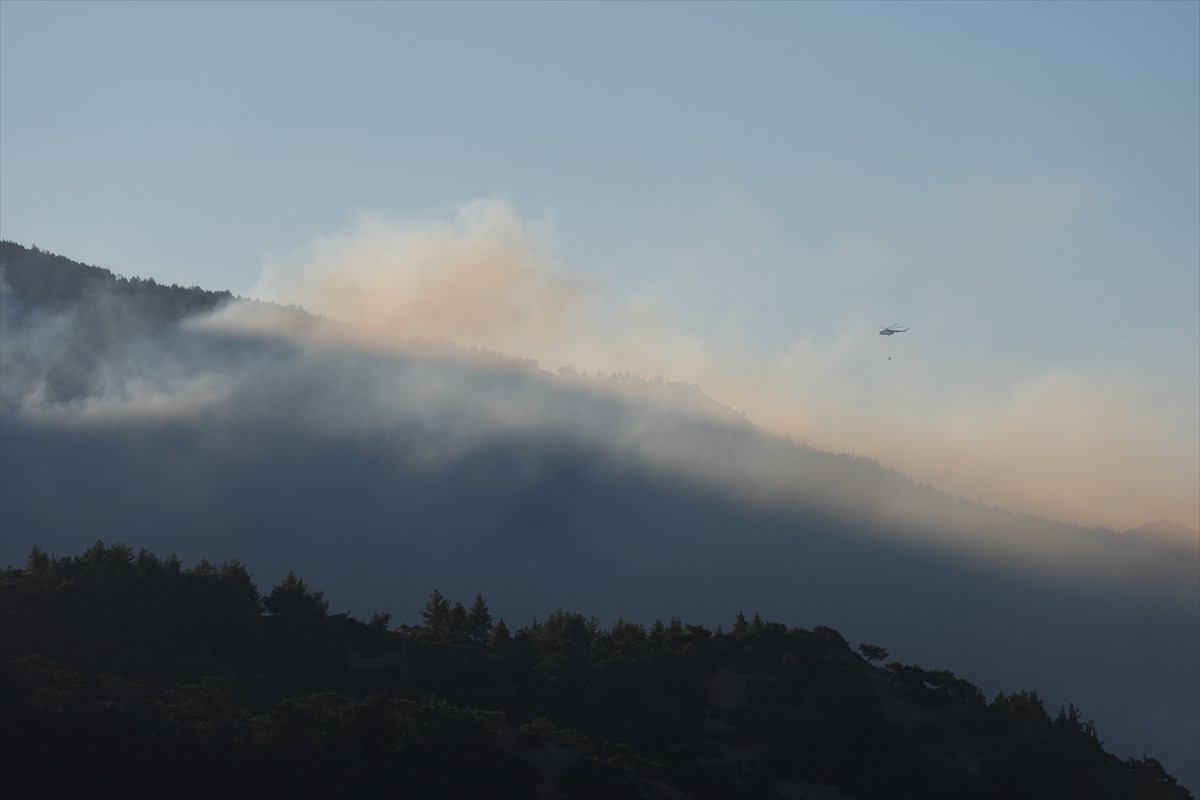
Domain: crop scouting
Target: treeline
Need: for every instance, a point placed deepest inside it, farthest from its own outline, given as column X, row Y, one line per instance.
column 128, row 674
column 56, row 282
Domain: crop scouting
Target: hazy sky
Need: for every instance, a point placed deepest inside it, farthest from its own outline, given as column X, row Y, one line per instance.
column 731, row 194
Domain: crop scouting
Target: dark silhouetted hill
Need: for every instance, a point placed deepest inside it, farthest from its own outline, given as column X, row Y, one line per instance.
column 53, row 282
column 130, row 675
column 218, row 426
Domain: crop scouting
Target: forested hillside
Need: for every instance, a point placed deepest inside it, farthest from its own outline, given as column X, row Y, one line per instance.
column 55, row 282
column 189, row 422
column 127, row 674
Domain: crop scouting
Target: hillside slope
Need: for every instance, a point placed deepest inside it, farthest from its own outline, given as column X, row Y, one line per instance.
column 182, row 421
column 130, row 674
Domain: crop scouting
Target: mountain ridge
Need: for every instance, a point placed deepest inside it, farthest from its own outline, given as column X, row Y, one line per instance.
column 24, row 270
column 376, row 472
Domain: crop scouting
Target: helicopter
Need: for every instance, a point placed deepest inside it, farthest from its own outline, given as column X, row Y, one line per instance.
column 892, row 329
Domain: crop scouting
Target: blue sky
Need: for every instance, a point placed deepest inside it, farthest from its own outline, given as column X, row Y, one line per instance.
column 740, row 193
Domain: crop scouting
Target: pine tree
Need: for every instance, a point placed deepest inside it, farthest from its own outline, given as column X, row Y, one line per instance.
column 436, row 612
column 292, row 599
column 457, row 623
column 872, row 652
column 479, row 619
column 499, row 635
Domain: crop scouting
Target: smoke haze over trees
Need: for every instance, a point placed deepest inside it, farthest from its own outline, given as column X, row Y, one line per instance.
column 190, row 422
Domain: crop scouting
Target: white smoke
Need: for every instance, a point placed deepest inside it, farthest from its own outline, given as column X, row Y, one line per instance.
column 1070, row 444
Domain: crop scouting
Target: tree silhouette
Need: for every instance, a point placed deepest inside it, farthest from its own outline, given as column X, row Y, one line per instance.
column 499, row 635
column 293, row 600
column 170, row 682
column 872, row 652
column 457, row 623
column 479, row 619
column 436, row 612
